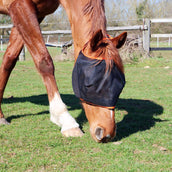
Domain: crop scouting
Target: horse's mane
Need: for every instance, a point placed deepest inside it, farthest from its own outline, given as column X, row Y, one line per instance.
column 95, row 12
column 110, row 53
column 112, row 56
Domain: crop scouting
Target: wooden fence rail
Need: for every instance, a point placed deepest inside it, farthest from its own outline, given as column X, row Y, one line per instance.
column 145, row 28
column 157, row 36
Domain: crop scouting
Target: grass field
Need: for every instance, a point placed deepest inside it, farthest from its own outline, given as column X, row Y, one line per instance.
column 143, row 116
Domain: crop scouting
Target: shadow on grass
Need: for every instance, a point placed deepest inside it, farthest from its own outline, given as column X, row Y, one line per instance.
column 141, row 116
column 141, row 113
column 9, row 119
column 71, row 101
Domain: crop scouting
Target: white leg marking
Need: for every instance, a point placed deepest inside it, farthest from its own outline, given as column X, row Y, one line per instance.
column 59, row 114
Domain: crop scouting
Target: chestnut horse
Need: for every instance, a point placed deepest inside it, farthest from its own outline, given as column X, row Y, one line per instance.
column 88, row 25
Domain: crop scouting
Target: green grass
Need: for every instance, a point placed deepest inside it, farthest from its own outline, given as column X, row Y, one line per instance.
column 143, row 116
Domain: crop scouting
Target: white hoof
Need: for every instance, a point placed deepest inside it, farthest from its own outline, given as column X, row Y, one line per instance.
column 73, row 132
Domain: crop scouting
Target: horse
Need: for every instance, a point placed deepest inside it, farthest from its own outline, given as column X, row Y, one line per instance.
column 88, row 25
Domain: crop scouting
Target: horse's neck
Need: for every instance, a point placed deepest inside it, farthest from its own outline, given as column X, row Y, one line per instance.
column 83, row 26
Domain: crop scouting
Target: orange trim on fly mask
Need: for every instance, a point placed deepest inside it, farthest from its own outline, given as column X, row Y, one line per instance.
column 109, row 37
column 107, row 107
column 91, row 57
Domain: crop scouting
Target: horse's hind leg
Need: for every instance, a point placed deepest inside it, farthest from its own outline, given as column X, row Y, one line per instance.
column 9, row 60
column 24, row 16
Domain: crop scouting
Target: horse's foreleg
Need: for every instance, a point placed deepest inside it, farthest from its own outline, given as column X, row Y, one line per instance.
column 9, row 60
column 24, row 17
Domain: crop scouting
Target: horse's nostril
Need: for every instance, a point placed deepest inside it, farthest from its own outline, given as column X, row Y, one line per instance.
column 99, row 133
column 108, row 136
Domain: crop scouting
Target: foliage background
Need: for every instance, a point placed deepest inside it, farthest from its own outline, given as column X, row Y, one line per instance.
column 118, row 12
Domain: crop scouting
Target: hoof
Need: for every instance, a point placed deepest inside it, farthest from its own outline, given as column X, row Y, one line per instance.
column 73, row 132
column 3, row 121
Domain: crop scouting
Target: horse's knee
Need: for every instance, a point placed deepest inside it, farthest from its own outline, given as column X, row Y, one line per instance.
column 45, row 65
column 9, row 61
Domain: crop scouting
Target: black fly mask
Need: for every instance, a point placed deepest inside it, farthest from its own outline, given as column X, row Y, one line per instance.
column 93, row 84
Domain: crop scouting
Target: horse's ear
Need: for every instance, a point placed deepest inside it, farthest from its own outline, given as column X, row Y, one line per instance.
column 94, row 42
column 120, row 40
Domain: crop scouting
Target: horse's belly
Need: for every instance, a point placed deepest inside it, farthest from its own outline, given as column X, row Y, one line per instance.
column 44, row 7
column 3, row 9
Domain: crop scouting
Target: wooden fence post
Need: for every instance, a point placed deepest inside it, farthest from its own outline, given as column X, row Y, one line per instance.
column 22, row 55
column 146, row 35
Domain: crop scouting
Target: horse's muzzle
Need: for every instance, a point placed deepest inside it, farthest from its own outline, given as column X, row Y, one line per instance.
column 101, row 136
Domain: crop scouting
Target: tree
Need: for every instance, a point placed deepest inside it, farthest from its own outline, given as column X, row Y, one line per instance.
column 140, row 10
column 4, row 19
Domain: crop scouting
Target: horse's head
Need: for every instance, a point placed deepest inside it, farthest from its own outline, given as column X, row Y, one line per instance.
column 102, row 122
column 100, row 113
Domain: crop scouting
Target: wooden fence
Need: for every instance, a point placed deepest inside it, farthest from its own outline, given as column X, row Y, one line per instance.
column 145, row 29
column 147, row 35
column 157, row 36
column 146, row 32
